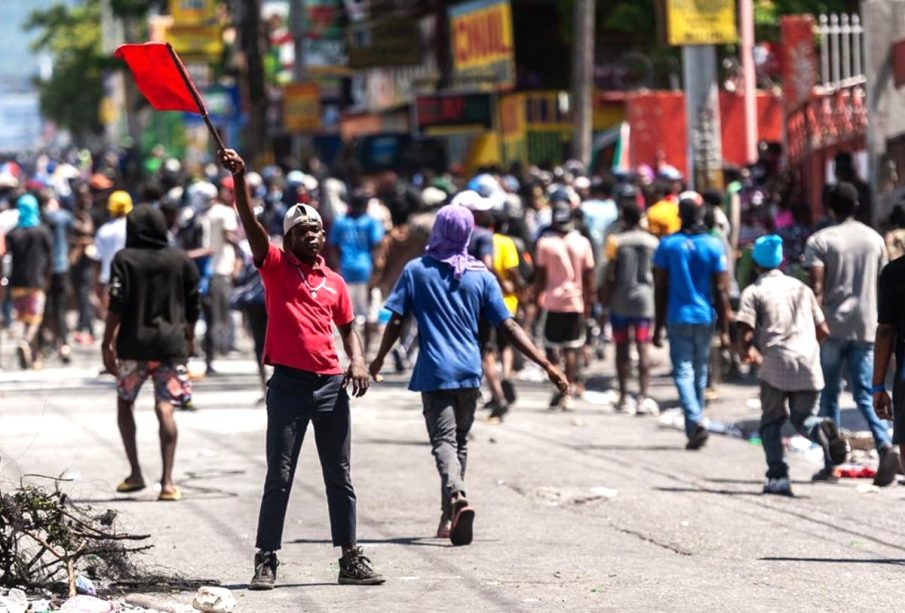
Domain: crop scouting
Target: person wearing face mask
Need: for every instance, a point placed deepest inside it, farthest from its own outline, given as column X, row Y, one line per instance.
column 304, row 300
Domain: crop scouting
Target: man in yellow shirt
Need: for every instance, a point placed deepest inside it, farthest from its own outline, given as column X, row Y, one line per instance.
column 506, row 269
column 663, row 215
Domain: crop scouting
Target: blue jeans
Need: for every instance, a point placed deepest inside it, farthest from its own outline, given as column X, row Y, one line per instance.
column 860, row 356
column 689, row 350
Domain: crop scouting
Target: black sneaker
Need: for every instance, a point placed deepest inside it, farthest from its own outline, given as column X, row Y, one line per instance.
column 356, row 569
column 265, row 571
column 697, row 439
column 508, row 391
column 462, row 530
column 778, row 487
column 825, row 475
column 829, row 439
column 888, row 467
column 556, row 400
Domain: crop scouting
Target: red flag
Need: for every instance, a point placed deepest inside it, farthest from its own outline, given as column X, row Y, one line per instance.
column 161, row 77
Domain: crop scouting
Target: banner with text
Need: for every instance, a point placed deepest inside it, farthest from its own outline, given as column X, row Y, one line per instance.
column 482, row 43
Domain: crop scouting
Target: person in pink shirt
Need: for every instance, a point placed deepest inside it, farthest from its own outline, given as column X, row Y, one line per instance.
column 564, row 279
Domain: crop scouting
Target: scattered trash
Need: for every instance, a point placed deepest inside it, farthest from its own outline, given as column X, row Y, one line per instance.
column 14, row 602
column 563, row 496
column 855, row 471
column 755, row 440
column 87, row 604
column 214, row 600
column 753, row 403
column 607, row 398
column 40, row 606
column 70, row 475
column 578, row 422
column 674, row 419
column 83, row 585
column 867, row 488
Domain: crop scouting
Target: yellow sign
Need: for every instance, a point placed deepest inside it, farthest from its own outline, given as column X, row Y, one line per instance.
column 196, row 41
column 482, row 42
column 193, row 12
column 513, row 137
column 302, row 107
column 701, row 22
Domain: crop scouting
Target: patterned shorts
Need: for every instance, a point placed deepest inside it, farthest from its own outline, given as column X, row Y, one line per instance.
column 171, row 381
column 28, row 303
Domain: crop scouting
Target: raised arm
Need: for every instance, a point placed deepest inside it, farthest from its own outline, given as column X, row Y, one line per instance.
column 257, row 235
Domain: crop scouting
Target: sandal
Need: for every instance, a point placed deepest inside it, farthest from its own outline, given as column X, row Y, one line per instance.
column 127, row 488
column 174, row 495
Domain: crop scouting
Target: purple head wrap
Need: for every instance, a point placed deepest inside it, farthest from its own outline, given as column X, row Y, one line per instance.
column 449, row 239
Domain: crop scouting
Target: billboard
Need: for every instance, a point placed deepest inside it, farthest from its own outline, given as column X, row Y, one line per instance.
column 482, row 42
column 196, row 31
column 302, row 107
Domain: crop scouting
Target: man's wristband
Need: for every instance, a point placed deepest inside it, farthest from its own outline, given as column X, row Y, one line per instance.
column 877, row 389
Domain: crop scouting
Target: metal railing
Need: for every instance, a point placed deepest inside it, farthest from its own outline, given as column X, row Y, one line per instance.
column 841, row 51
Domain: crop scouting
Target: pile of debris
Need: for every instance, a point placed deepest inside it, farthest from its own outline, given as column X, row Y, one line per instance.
column 53, row 552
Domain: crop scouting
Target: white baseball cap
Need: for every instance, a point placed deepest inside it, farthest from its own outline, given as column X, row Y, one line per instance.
column 472, row 200
column 300, row 213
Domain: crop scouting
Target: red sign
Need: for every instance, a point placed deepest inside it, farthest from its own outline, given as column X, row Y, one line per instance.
column 799, row 62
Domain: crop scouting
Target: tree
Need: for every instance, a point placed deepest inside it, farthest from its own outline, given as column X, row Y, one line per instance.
column 72, row 36
column 72, row 95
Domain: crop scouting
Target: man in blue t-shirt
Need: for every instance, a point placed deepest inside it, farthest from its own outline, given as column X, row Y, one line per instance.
column 353, row 238
column 691, row 292
column 448, row 292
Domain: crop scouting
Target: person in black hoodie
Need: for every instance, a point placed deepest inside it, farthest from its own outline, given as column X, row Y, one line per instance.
column 154, row 304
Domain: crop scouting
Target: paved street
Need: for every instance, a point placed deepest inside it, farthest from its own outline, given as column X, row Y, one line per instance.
column 586, row 510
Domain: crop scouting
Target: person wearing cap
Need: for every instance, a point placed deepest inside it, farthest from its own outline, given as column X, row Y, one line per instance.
column 781, row 313
column 844, row 262
column 564, row 281
column 110, row 238
column 304, row 300
column 219, row 251
column 448, row 292
column 30, row 245
column 691, row 288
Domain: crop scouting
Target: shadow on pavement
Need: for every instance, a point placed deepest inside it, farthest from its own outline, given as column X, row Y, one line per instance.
column 626, row 448
column 280, row 586
column 421, row 541
column 702, row 490
column 890, row 561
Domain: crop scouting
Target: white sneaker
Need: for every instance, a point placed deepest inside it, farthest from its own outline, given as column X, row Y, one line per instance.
column 626, row 405
column 648, row 406
column 567, row 403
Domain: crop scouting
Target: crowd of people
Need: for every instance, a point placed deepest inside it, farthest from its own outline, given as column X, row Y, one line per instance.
column 460, row 274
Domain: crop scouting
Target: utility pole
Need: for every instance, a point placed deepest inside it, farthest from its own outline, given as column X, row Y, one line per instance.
column 583, row 80
column 702, row 117
column 746, row 20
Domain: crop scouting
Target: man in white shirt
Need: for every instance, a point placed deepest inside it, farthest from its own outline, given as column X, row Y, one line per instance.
column 219, row 241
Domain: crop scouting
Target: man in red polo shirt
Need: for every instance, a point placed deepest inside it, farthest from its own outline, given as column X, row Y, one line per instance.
column 304, row 300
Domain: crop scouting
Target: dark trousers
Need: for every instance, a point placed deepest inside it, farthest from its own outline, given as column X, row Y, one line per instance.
column 449, row 415
column 83, row 283
column 218, row 337
column 294, row 398
column 55, row 309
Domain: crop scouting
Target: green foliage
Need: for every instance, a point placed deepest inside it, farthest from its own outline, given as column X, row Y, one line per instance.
column 72, row 36
column 768, row 13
